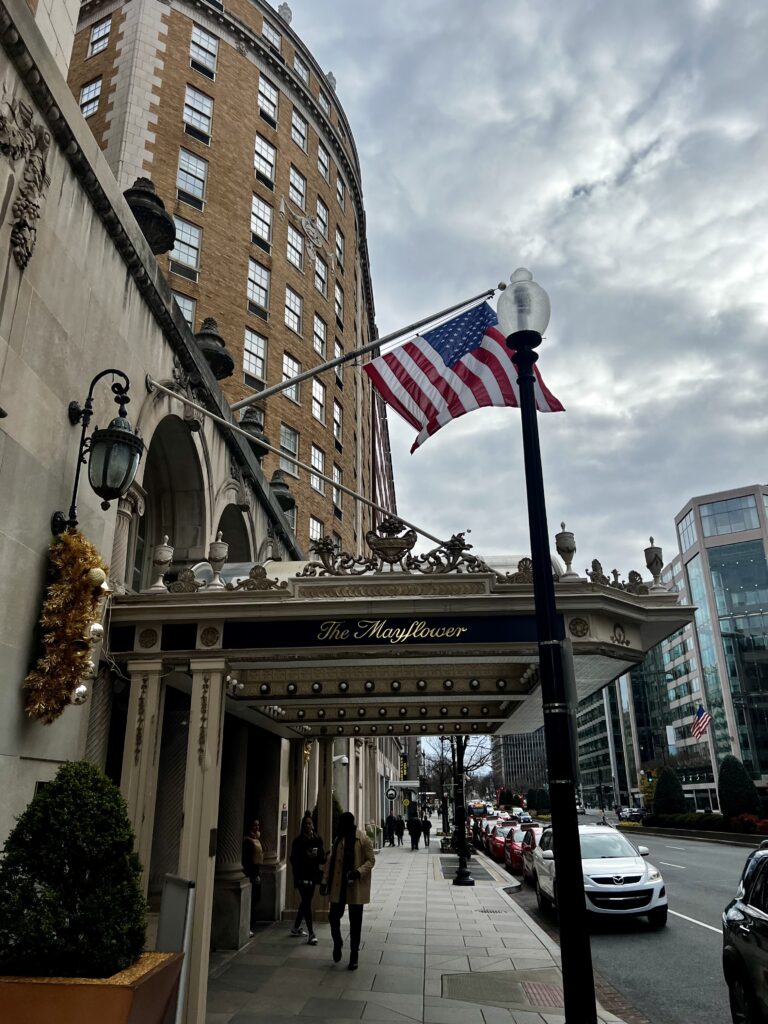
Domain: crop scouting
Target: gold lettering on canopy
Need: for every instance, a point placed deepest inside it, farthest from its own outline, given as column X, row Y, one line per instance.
column 380, row 629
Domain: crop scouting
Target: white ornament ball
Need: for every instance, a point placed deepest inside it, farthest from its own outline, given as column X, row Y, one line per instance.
column 96, row 631
column 80, row 695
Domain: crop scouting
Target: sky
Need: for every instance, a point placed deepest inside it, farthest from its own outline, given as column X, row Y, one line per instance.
column 618, row 149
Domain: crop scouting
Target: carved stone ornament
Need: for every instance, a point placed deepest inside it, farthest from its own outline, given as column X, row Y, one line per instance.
column 140, row 715
column 186, row 583
column 633, row 585
column 21, row 139
column 257, row 580
column 148, row 638
column 524, row 573
column 242, row 49
column 578, row 628
column 202, row 735
column 619, row 635
column 209, row 636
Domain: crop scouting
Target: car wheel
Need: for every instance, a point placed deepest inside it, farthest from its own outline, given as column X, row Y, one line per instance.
column 743, row 1010
column 658, row 918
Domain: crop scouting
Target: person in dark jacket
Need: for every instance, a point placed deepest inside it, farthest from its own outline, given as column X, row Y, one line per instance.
column 389, row 829
column 426, row 828
column 399, row 829
column 307, row 859
column 414, row 831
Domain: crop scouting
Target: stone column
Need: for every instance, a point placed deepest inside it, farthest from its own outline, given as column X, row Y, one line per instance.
column 141, row 753
column 324, row 809
column 295, row 814
column 310, row 797
column 201, row 805
column 232, row 890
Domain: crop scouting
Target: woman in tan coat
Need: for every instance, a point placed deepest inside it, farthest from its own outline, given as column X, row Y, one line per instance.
column 347, row 881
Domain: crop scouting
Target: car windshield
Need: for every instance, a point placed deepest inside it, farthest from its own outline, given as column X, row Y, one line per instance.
column 602, row 845
column 519, row 836
column 503, row 830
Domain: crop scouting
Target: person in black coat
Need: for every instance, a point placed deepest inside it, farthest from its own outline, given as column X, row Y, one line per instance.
column 307, row 860
column 389, row 829
column 399, row 829
column 426, row 828
column 414, row 831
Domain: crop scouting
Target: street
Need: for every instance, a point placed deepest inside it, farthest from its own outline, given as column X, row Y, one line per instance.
column 674, row 975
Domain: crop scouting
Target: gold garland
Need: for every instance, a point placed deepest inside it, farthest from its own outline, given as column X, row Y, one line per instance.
column 72, row 604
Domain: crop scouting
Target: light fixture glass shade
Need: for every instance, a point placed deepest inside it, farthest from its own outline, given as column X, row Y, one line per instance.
column 523, row 305
column 114, row 458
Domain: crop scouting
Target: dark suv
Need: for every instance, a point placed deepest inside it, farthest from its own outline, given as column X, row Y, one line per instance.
column 745, row 943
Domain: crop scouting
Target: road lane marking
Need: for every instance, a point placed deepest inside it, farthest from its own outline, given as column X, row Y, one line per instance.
column 674, row 847
column 694, row 921
column 668, row 865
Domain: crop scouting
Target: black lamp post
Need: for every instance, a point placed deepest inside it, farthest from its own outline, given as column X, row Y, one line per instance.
column 114, row 452
column 523, row 312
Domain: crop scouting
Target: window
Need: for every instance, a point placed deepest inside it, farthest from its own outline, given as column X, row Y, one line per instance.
column 338, row 427
column 89, row 97
column 338, row 303
column 316, row 529
column 340, row 248
column 325, row 103
column 301, row 69
column 289, row 446
column 261, row 223
column 291, row 369
column 324, row 161
column 321, row 276
column 271, row 34
column 254, row 359
column 322, row 217
column 258, row 289
column 185, row 255
column 318, row 400
column 317, row 459
column 733, row 515
column 686, row 531
column 264, row 155
column 268, row 97
column 290, row 515
column 341, row 189
column 203, row 52
column 191, row 178
column 336, row 489
column 198, row 115
column 338, row 350
column 295, row 247
column 293, row 311
column 187, row 307
column 297, row 187
column 319, row 335
column 299, row 129
column 99, row 37
column 337, row 541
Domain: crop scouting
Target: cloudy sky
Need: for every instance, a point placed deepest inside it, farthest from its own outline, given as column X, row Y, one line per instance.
column 618, row 149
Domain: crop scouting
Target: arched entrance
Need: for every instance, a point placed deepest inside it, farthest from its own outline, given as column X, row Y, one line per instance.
column 235, row 532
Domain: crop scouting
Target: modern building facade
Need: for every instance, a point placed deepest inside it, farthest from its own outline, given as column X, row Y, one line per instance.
column 523, row 760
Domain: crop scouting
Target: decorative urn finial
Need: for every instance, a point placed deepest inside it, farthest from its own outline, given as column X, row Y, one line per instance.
column 282, row 491
column 211, row 344
column 566, row 548
column 251, row 422
column 285, row 13
column 655, row 563
column 155, row 223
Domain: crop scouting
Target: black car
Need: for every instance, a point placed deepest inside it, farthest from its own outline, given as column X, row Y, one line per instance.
column 745, row 943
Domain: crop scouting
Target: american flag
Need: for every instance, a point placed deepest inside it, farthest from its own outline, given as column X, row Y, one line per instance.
column 459, row 366
column 700, row 722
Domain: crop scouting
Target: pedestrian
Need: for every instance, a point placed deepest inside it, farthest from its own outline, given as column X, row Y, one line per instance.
column 389, row 829
column 399, row 829
column 253, row 858
column 414, row 831
column 307, row 859
column 347, row 881
column 426, row 828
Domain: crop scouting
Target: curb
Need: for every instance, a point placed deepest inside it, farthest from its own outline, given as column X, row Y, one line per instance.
column 723, row 838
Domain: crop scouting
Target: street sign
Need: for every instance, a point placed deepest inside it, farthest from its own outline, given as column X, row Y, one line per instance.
column 406, row 803
column 391, row 794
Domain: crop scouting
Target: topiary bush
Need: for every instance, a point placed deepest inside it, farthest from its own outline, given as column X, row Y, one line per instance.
column 71, row 903
column 668, row 796
column 736, row 790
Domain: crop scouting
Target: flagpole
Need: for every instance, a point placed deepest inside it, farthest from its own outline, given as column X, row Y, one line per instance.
column 348, row 356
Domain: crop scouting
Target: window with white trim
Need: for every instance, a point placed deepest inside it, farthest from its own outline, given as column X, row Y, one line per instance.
column 338, row 422
column 316, row 529
column 271, row 34
column 319, row 335
column 261, row 223
column 341, row 189
column 191, row 178
column 324, row 161
column 338, row 350
column 187, row 307
column 89, row 97
column 268, row 99
column 203, row 51
column 258, row 288
column 322, row 217
column 325, row 103
column 291, row 369
column 301, row 68
column 299, row 129
column 289, row 446
column 295, row 250
column 264, row 157
column 198, row 114
column 340, row 248
column 186, row 248
column 297, row 187
column 290, row 515
column 321, row 275
column 336, row 492
column 254, row 358
column 317, row 461
column 293, row 311
column 99, row 39
column 318, row 400
column 338, row 303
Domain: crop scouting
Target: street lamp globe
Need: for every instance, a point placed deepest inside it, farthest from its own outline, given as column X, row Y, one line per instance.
column 114, row 458
column 523, row 305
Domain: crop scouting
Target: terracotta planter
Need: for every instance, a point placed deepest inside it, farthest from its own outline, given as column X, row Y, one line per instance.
column 142, row 994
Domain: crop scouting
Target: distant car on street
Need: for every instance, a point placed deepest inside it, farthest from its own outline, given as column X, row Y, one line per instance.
column 636, row 814
column 524, row 818
column 745, row 941
column 581, row 809
column 496, row 839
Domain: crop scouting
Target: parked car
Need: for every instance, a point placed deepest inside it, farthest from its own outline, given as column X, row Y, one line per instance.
column 616, row 878
column 636, row 814
column 524, row 818
column 496, row 838
column 485, row 835
column 623, row 813
column 745, row 939
column 532, row 836
column 513, row 849
column 580, row 808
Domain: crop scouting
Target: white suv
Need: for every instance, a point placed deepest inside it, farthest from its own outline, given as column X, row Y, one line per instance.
column 616, row 878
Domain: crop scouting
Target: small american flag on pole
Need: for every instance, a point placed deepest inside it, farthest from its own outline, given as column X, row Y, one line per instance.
column 444, row 373
column 700, row 722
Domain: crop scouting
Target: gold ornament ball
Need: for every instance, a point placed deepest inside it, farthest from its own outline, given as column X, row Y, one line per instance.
column 96, row 577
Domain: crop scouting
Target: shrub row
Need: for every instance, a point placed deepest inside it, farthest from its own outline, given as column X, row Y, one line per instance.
column 748, row 824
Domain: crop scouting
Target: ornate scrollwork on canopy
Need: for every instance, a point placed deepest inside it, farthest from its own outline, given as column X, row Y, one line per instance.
column 633, row 585
column 257, row 579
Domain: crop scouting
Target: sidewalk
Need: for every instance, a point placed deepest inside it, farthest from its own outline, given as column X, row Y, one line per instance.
column 432, row 952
